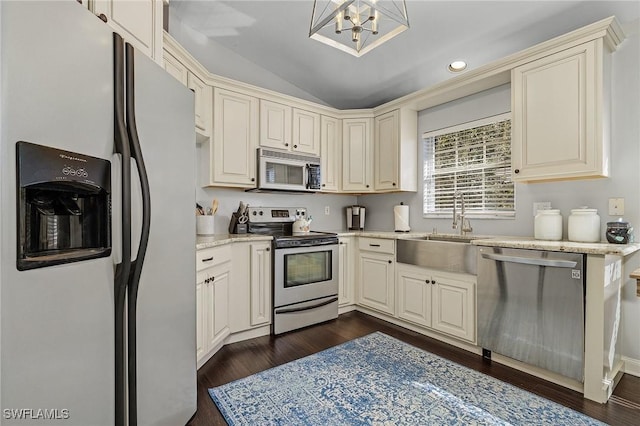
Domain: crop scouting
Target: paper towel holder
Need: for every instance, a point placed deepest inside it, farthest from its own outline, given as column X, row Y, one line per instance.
column 401, row 217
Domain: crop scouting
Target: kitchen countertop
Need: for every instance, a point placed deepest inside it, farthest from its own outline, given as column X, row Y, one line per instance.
column 203, row 242
column 603, row 248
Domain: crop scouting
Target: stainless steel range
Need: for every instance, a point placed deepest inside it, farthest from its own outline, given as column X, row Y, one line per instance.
column 305, row 269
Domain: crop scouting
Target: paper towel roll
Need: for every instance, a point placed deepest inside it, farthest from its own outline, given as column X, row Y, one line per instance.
column 401, row 215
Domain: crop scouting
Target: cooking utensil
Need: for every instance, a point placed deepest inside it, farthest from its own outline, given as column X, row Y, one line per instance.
column 214, row 206
column 199, row 210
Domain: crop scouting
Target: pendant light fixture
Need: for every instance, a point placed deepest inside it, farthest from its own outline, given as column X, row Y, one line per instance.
column 357, row 26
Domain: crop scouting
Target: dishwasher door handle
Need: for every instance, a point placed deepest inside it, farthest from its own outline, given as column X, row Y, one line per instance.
column 531, row 261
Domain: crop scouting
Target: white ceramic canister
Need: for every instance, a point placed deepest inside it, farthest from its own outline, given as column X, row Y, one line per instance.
column 584, row 225
column 548, row 225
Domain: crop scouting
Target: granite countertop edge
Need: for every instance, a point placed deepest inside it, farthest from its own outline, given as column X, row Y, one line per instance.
column 600, row 248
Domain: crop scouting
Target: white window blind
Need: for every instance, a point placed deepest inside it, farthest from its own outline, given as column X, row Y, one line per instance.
column 475, row 159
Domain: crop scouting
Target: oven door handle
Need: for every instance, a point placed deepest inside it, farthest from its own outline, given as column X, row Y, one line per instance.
column 306, row 308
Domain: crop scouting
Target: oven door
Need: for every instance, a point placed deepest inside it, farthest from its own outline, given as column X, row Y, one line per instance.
column 305, row 273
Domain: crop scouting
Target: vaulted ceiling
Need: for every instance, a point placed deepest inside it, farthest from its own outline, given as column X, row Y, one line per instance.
column 273, row 35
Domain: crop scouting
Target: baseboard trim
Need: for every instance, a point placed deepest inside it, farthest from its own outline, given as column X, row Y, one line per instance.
column 631, row 366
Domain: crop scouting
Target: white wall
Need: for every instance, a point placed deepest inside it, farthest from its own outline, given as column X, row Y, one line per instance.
column 623, row 182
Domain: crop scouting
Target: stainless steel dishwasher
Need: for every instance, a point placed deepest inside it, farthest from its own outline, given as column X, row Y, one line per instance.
column 531, row 307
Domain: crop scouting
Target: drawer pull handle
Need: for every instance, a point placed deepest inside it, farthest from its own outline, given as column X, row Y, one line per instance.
column 374, row 245
column 207, row 259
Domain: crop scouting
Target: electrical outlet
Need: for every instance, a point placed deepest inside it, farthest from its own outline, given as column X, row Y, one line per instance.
column 542, row 205
column 616, row 206
column 327, row 210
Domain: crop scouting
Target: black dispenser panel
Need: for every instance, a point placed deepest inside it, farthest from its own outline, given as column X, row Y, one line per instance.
column 64, row 206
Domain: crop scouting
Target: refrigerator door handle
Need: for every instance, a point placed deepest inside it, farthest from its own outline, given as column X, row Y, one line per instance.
column 136, row 270
column 123, row 268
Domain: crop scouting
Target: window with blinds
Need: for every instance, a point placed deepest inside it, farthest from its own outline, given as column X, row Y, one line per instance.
column 475, row 159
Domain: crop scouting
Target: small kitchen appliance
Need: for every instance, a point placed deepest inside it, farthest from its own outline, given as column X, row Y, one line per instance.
column 287, row 171
column 619, row 232
column 355, row 218
column 305, row 268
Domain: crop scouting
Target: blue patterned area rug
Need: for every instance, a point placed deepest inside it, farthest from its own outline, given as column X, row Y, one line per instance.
column 379, row 380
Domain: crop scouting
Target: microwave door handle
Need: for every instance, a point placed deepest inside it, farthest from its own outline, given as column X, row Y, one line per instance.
column 307, row 176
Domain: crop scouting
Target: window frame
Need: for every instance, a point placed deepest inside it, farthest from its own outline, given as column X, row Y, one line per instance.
column 457, row 128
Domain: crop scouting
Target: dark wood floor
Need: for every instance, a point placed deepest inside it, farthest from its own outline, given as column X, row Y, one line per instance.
column 242, row 359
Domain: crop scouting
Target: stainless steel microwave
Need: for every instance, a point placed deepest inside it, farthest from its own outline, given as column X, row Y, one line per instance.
column 287, row 171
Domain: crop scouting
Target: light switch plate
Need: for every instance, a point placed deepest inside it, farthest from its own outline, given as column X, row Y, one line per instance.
column 542, row 205
column 616, row 206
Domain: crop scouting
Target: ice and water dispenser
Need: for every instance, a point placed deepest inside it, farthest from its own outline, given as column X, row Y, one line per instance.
column 64, row 206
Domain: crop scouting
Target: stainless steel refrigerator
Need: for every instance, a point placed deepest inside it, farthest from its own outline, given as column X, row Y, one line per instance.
column 95, row 339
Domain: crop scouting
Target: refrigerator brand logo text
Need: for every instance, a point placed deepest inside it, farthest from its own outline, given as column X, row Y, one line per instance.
column 68, row 157
column 35, row 413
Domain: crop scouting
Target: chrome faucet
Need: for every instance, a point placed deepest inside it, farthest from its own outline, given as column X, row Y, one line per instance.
column 458, row 218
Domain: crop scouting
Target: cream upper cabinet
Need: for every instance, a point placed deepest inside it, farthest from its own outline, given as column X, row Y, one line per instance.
column 139, row 22
column 306, row 132
column 203, row 100
column 230, row 159
column 275, row 125
column 357, row 155
column 560, row 115
column 395, row 145
column 330, row 153
column 175, row 68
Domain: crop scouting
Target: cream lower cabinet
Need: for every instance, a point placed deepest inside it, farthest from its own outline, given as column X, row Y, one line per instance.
column 213, row 280
column 250, row 294
column 560, row 115
column 260, row 283
column 346, row 277
column 438, row 300
column 376, row 274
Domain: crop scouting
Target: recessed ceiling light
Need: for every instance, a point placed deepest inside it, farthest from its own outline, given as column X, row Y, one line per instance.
column 457, row 66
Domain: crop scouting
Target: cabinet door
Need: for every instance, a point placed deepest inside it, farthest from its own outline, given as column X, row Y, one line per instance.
column 260, row 283
column 235, row 139
column 330, row 153
column 306, row 132
column 385, row 149
column 202, row 98
column 377, row 281
column 201, row 315
column 414, row 296
column 275, row 125
column 454, row 307
column 138, row 22
column 217, row 306
column 175, row 68
column 356, row 155
column 346, row 282
column 557, row 116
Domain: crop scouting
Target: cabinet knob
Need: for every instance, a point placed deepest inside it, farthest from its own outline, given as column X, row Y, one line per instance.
column 516, row 171
column 394, row 184
column 426, row 281
column 253, row 179
column 367, row 186
column 103, row 17
column 323, row 185
column 295, row 146
column 268, row 249
column 286, row 144
column 433, row 281
column 389, row 261
column 341, row 242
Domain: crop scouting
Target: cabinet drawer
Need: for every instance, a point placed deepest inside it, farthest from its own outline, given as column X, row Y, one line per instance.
column 378, row 245
column 212, row 256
